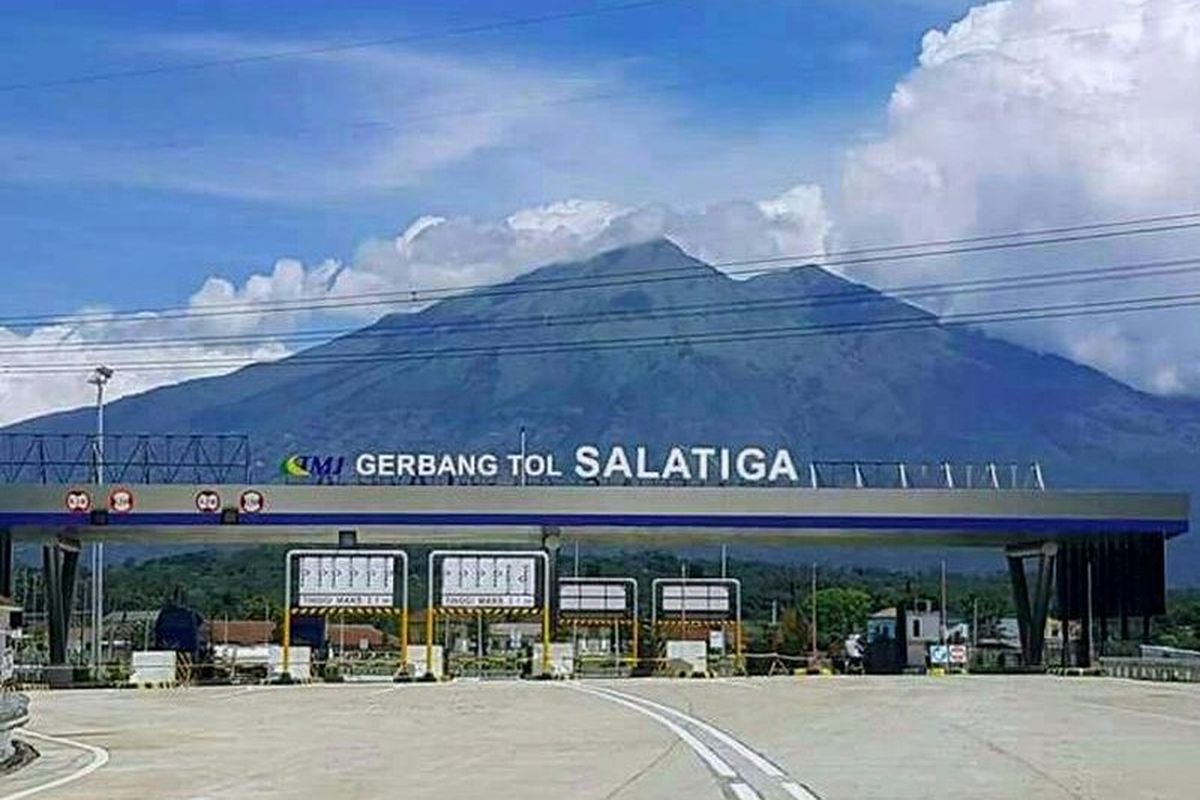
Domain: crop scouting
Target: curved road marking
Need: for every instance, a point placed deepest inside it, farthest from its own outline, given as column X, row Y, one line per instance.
column 764, row 765
column 743, row 791
column 1140, row 712
column 714, row 761
column 99, row 759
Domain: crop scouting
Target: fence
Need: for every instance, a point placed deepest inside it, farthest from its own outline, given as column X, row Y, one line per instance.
column 128, row 458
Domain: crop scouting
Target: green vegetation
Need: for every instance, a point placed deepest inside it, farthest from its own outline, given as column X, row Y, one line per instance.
column 1180, row 627
column 248, row 583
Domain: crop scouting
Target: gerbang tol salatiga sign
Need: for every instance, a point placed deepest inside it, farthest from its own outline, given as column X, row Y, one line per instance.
column 589, row 462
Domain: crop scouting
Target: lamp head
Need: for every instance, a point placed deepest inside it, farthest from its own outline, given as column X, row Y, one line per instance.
column 101, row 375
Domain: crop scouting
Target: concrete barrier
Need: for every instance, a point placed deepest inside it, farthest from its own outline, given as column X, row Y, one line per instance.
column 299, row 663
column 416, row 661
column 14, row 713
column 1152, row 669
column 154, row 668
column 688, row 656
column 561, row 662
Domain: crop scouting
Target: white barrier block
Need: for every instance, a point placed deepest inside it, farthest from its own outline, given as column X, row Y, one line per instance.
column 692, row 653
column 416, row 661
column 153, row 667
column 299, row 662
column 562, row 660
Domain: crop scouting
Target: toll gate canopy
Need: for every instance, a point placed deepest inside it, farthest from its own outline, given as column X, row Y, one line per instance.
column 1118, row 536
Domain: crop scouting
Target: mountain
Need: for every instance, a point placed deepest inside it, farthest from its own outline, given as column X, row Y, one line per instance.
column 927, row 392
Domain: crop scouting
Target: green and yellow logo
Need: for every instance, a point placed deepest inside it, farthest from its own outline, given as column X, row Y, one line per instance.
column 295, row 467
column 323, row 468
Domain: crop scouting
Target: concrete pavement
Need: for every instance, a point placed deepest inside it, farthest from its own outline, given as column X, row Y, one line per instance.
column 828, row 738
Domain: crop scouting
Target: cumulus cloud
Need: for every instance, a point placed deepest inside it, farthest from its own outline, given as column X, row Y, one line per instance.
column 227, row 325
column 1029, row 113
column 1023, row 114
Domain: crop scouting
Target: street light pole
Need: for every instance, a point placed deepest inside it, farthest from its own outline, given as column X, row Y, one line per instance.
column 813, row 618
column 99, row 378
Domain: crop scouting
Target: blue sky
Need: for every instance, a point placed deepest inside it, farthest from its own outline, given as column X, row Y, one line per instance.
column 438, row 157
column 130, row 192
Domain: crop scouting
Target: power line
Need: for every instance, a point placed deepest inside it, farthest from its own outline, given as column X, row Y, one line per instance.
column 914, row 321
column 301, row 52
column 856, row 295
column 859, row 256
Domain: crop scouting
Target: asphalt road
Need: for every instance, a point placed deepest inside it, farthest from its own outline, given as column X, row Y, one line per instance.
column 781, row 738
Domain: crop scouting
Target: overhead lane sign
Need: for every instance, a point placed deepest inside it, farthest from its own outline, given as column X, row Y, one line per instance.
column 593, row 596
column 486, row 581
column 347, row 581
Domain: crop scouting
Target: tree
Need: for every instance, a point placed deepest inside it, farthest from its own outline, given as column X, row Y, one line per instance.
column 841, row 612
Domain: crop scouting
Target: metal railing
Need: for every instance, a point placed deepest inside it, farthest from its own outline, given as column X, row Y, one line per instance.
column 128, row 458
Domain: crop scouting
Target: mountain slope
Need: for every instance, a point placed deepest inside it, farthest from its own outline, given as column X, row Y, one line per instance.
column 928, row 392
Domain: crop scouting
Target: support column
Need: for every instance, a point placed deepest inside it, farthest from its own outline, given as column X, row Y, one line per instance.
column 1016, row 572
column 1032, row 611
column 6, row 562
column 1041, row 603
column 552, row 543
column 60, row 563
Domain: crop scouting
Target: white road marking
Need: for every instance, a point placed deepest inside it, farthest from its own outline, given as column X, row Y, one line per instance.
column 1141, row 712
column 99, row 759
column 764, row 765
column 714, row 761
column 760, row 762
column 798, row 791
column 744, row 792
column 234, row 695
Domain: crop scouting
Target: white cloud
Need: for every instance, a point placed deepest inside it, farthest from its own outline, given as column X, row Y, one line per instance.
column 1028, row 113
column 397, row 121
column 432, row 252
column 1024, row 114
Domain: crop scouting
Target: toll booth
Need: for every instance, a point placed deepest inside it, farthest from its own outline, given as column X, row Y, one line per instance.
column 697, row 623
column 346, row 582
column 490, row 612
column 600, row 615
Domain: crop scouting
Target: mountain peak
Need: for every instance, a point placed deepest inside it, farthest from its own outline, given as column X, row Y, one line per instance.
column 652, row 256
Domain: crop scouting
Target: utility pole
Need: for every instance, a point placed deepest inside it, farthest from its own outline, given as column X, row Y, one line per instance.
column 814, row 611
column 724, row 559
column 523, row 455
column 975, row 623
column 99, row 378
column 683, row 603
column 1090, row 638
column 945, row 617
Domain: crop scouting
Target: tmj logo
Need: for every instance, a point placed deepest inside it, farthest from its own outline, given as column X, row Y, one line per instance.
column 326, row 468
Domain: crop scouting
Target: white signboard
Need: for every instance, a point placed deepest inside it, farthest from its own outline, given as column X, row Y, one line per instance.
column 488, row 582
column 347, row 581
column 593, row 596
column 702, row 597
column 939, row 654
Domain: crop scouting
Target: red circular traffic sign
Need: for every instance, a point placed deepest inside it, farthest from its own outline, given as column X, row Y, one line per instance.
column 121, row 501
column 208, row 502
column 252, row 501
column 78, row 501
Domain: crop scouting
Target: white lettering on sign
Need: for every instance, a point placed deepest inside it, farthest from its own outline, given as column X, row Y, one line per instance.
column 347, row 581
column 489, row 582
column 615, row 463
